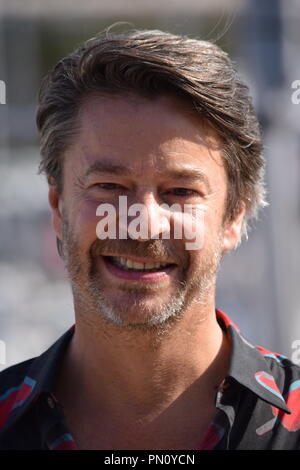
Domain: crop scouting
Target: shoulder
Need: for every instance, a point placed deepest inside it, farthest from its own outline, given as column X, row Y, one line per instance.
column 15, row 386
column 287, row 376
column 279, row 364
column 14, row 374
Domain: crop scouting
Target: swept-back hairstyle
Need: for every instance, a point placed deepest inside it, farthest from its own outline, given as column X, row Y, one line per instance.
column 152, row 63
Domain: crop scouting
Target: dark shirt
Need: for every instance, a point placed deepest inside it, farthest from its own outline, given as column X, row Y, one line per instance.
column 258, row 402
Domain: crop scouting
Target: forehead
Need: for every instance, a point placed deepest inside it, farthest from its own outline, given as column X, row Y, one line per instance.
column 144, row 135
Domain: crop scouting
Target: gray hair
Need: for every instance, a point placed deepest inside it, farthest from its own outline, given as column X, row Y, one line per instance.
column 153, row 63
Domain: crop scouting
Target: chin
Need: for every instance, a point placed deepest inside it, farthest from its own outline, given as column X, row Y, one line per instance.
column 137, row 311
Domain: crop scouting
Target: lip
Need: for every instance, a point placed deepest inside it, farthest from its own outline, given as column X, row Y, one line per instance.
column 159, row 276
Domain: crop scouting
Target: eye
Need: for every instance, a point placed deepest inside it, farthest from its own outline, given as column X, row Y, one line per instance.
column 108, row 186
column 183, row 192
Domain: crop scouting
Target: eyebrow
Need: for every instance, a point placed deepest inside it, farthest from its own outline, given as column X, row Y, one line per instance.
column 180, row 174
column 191, row 174
column 108, row 167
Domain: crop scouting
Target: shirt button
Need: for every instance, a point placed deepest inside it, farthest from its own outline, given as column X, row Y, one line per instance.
column 50, row 402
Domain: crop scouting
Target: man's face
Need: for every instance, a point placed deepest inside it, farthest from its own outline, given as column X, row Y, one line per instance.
column 153, row 152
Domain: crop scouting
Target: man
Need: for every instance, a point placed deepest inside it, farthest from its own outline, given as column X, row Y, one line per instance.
column 162, row 121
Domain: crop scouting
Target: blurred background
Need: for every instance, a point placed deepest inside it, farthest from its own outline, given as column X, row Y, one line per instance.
column 258, row 283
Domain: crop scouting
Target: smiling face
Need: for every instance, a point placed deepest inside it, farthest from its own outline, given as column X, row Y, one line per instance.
column 154, row 152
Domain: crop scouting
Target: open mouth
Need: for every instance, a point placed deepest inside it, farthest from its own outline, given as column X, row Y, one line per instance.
column 127, row 264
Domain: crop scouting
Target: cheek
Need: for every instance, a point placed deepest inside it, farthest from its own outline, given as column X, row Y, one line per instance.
column 193, row 228
column 209, row 231
column 85, row 222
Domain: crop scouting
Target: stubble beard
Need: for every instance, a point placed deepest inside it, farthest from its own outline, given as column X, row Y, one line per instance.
column 88, row 291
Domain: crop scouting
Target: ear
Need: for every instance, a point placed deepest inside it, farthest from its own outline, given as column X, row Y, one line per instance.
column 233, row 230
column 55, row 202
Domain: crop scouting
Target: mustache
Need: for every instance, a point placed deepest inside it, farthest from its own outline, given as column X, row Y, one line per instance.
column 154, row 249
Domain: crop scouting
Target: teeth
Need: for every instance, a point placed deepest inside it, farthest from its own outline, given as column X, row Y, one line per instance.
column 136, row 265
column 128, row 263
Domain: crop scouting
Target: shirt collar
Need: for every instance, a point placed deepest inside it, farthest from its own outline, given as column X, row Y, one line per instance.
column 248, row 367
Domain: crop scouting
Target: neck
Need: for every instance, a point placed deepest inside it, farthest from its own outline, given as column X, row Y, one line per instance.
column 144, row 369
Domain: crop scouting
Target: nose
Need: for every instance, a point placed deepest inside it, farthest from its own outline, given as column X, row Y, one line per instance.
column 148, row 219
